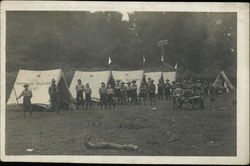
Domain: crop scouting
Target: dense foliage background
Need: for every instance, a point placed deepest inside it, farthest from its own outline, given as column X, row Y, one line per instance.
column 201, row 44
column 198, row 42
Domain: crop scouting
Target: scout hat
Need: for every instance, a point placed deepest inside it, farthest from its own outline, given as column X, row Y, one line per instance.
column 128, row 82
column 134, row 81
column 178, row 84
column 118, row 80
column 122, row 82
column 25, row 85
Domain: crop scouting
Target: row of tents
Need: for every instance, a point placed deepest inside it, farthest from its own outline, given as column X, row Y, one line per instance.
column 39, row 82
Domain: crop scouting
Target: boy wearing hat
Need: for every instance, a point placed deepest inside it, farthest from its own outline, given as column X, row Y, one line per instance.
column 110, row 96
column 79, row 93
column 189, row 85
column 143, row 92
column 167, row 90
column 123, row 93
column 128, row 92
column 211, row 90
column 27, row 95
column 103, row 96
column 134, row 92
column 205, row 89
column 147, row 84
column 88, row 92
column 177, row 95
column 54, row 98
column 117, row 95
column 151, row 90
column 160, row 88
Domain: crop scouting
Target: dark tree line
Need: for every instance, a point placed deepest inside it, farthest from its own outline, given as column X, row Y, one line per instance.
column 198, row 42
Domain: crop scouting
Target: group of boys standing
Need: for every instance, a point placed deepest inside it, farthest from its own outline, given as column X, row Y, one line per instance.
column 126, row 94
column 122, row 94
column 117, row 94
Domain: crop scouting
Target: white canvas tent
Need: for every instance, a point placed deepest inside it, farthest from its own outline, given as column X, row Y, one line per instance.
column 223, row 81
column 169, row 75
column 39, row 82
column 93, row 78
column 128, row 76
column 154, row 76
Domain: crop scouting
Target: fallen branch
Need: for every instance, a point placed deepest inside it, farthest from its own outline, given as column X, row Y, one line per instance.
column 106, row 145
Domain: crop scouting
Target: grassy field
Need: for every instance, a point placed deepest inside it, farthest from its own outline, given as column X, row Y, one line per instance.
column 161, row 131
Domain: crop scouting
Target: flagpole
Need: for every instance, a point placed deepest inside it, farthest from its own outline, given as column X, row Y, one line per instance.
column 143, row 61
column 109, row 64
column 175, row 71
column 162, row 63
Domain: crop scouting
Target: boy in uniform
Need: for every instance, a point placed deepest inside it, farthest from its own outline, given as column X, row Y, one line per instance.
column 189, row 85
column 27, row 95
column 211, row 91
column 103, row 95
column 123, row 93
column 172, row 87
column 117, row 92
column 143, row 92
column 167, row 90
column 134, row 92
column 88, row 92
column 54, row 98
column 160, row 88
column 205, row 88
column 177, row 95
column 147, row 84
column 79, row 93
column 110, row 96
column 128, row 92
column 151, row 90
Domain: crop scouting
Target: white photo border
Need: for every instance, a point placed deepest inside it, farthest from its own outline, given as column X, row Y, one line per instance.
column 242, row 10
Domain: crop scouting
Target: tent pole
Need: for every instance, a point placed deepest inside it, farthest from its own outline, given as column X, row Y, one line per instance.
column 18, row 102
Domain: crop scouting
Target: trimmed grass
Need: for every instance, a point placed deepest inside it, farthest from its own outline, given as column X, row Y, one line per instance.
column 161, row 132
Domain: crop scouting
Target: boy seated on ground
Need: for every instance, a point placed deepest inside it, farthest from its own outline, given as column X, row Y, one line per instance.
column 178, row 97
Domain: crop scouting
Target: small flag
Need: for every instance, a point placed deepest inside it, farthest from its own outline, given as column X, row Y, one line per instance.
column 143, row 59
column 162, row 58
column 175, row 66
column 109, row 61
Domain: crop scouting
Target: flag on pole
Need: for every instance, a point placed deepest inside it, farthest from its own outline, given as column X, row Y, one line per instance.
column 143, row 59
column 175, row 66
column 109, row 61
column 162, row 58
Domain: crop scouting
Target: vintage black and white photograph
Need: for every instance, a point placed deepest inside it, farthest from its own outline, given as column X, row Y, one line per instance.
column 121, row 83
